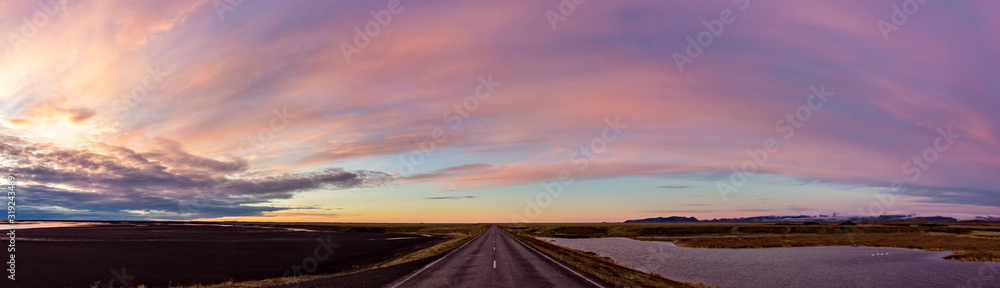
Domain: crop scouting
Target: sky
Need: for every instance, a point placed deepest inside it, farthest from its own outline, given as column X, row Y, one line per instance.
column 498, row 111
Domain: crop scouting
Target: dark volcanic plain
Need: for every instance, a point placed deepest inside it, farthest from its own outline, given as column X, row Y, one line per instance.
column 159, row 254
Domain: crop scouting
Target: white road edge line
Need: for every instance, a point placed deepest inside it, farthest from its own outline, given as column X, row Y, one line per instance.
column 553, row 260
column 435, row 261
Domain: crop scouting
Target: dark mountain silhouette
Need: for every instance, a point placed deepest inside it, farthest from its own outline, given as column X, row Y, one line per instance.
column 671, row 219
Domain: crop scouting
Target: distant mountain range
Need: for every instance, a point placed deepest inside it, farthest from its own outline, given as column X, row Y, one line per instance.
column 810, row 218
column 671, row 219
column 987, row 218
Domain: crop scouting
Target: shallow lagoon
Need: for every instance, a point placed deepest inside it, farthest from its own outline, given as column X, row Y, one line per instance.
column 20, row 225
column 825, row 266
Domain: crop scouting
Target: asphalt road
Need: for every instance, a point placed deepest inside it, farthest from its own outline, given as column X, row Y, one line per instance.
column 495, row 259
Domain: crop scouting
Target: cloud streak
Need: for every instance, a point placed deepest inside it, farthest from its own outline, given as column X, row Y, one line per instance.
column 110, row 182
column 450, row 197
column 353, row 120
column 675, row 186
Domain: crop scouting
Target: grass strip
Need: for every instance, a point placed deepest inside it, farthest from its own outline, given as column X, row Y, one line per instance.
column 599, row 267
column 966, row 247
column 432, row 251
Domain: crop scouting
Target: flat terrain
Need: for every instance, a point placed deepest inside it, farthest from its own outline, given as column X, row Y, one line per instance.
column 603, row 268
column 158, row 254
column 973, row 241
column 496, row 259
column 162, row 254
column 818, row 266
column 968, row 247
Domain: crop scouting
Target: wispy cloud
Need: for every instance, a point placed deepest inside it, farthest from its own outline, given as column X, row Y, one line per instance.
column 675, row 186
column 449, row 171
column 111, row 182
column 450, row 197
column 224, row 79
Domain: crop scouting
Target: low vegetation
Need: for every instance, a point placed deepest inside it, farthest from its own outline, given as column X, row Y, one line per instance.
column 967, row 247
column 972, row 241
column 601, row 268
column 462, row 233
column 435, row 250
column 407, row 228
column 581, row 230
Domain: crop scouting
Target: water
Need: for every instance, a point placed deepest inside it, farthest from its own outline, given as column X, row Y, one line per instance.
column 826, row 266
column 46, row 224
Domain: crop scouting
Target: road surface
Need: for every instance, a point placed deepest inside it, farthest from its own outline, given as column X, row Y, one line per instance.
column 495, row 259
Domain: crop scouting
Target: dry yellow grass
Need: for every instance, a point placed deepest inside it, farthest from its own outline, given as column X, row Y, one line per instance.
column 462, row 232
column 967, row 247
column 434, row 250
column 600, row 267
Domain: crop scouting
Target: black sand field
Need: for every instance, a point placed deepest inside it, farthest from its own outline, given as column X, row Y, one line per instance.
column 157, row 254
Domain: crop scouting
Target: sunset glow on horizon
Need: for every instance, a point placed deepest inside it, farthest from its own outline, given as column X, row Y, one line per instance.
column 499, row 111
